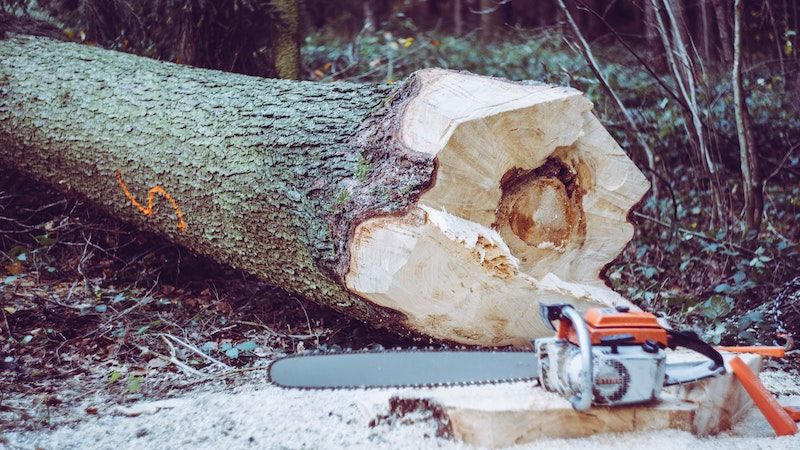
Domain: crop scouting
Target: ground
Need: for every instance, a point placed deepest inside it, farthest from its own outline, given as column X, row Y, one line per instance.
column 253, row 414
column 98, row 318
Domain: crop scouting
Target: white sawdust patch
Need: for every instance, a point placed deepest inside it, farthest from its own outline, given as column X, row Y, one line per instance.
column 263, row 416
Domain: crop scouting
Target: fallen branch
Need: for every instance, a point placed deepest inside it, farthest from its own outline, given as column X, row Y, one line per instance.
column 195, row 350
column 171, row 359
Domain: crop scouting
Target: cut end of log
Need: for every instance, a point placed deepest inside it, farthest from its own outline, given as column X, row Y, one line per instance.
column 529, row 203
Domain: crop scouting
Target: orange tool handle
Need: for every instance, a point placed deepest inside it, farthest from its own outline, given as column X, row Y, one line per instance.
column 778, row 418
column 774, row 352
column 794, row 413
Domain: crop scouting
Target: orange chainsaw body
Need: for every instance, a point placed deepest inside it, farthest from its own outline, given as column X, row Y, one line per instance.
column 604, row 323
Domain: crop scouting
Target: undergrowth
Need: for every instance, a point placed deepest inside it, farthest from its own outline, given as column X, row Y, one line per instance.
column 698, row 270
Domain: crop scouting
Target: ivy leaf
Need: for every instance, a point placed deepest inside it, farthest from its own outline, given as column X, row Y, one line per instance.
column 717, row 306
column 752, row 317
column 208, row 347
column 45, row 240
column 134, row 384
column 722, row 288
column 248, row 346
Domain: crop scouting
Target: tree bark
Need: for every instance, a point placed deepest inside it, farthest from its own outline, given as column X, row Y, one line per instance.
column 748, row 153
column 286, row 50
column 721, row 12
column 490, row 20
column 652, row 39
column 370, row 24
column 458, row 18
column 446, row 206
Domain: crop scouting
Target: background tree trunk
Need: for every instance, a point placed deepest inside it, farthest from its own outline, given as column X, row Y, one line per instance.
column 654, row 46
column 490, row 20
column 286, row 50
column 458, row 18
column 751, row 179
column 446, row 206
column 723, row 26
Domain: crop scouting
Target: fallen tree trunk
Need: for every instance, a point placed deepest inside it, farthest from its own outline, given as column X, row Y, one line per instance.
column 448, row 205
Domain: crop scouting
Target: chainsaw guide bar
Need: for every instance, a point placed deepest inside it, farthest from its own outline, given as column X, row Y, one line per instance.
column 403, row 368
column 606, row 357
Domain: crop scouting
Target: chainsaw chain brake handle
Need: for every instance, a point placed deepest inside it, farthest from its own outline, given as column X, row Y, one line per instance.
column 564, row 312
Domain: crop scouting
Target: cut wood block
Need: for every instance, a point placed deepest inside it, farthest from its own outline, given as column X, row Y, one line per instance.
column 509, row 414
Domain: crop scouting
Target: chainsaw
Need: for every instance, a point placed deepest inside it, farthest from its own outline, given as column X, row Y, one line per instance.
column 606, row 357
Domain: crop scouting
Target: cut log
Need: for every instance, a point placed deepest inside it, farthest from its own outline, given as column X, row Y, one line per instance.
column 447, row 206
column 513, row 414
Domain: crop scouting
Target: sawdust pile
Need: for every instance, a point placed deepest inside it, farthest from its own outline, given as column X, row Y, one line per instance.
column 261, row 416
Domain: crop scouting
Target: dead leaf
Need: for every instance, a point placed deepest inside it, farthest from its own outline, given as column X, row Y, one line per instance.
column 157, row 363
column 224, row 308
column 15, row 268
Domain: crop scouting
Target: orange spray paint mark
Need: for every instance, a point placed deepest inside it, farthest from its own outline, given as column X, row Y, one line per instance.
column 151, row 194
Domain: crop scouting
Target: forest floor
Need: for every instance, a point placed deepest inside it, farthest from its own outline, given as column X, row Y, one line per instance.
column 252, row 414
column 97, row 321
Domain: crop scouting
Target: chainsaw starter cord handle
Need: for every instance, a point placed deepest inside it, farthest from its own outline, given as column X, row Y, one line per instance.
column 692, row 342
column 582, row 401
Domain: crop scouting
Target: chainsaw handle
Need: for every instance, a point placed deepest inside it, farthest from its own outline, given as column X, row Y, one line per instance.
column 582, row 401
column 692, row 342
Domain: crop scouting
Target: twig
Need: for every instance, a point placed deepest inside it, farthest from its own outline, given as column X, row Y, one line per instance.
column 8, row 327
column 44, row 296
column 308, row 320
column 780, row 165
column 195, row 350
column 224, row 375
column 138, row 303
column 276, row 333
column 638, row 58
column 632, row 130
column 171, row 359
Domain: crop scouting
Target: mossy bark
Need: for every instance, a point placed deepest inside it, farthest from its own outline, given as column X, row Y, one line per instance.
column 270, row 176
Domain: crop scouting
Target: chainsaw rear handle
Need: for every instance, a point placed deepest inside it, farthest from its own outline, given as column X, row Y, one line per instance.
column 583, row 400
column 692, row 342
